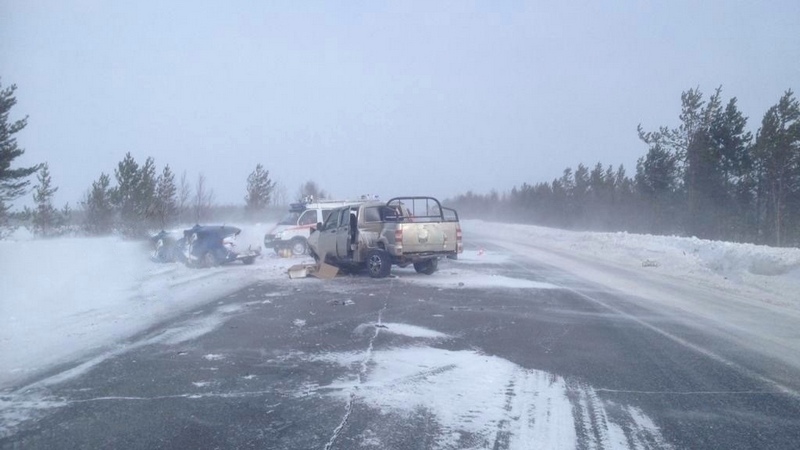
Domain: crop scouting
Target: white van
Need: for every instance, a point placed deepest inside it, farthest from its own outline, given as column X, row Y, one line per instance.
column 291, row 233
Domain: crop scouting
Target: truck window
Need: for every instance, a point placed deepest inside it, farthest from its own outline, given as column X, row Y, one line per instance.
column 391, row 214
column 372, row 214
column 332, row 221
column 344, row 217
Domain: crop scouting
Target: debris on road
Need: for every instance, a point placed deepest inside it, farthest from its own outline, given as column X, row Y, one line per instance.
column 322, row 271
column 346, row 302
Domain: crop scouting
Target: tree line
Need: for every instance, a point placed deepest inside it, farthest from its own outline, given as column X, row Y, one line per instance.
column 132, row 200
column 708, row 177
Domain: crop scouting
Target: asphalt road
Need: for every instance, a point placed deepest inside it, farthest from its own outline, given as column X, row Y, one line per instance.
column 400, row 364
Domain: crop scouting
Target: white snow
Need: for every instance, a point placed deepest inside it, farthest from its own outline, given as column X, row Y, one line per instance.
column 477, row 398
column 472, row 278
column 64, row 299
column 748, row 293
column 403, row 329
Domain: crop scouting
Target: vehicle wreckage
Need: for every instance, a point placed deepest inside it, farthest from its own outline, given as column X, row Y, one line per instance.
column 202, row 246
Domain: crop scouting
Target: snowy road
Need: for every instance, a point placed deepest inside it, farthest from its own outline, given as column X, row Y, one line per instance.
column 511, row 347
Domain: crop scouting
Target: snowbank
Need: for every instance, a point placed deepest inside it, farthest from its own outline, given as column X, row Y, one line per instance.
column 66, row 298
column 769, row 274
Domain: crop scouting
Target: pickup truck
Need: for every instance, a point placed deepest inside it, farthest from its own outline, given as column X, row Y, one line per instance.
column 376, row 235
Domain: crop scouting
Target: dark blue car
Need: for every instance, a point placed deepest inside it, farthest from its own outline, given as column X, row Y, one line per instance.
column 208, row 246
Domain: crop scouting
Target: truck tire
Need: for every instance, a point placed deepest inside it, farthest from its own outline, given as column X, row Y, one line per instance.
column 379, row 264
column 298, row 246
column 313, row 255
column 427, row 267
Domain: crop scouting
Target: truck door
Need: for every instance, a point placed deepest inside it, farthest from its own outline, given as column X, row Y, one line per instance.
column 327, row 236
column 343, row 234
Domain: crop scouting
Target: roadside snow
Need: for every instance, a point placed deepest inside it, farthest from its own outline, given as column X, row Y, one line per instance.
column 772, row 274
column 63, row 299
column 748, row 293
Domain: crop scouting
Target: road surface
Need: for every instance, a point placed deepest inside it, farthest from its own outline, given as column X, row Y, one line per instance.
column 499, row 350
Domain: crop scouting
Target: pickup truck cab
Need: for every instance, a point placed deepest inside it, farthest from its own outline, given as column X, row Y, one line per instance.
column 376, row 235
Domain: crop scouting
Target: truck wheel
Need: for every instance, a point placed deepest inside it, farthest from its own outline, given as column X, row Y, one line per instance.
column 427, row 267
column 379, row 263
column 298, row 246
column 316, row 257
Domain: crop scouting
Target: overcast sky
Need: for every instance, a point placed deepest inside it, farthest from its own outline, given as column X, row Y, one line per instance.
column 376, row 97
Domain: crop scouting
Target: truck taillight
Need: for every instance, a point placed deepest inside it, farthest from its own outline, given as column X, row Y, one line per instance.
column 459, row 244
column 398, row 239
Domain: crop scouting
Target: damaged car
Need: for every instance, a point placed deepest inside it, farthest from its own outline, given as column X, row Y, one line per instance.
column 202, row 246
column 208, row 246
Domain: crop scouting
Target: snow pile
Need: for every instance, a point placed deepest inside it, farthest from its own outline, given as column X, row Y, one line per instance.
column 67, row 298
column 767, row 273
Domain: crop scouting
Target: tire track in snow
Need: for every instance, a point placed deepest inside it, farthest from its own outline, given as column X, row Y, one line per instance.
column 361, row 373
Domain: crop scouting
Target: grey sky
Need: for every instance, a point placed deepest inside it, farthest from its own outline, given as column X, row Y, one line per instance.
column 376, row 97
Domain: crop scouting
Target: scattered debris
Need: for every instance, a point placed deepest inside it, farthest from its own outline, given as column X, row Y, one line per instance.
column 649, row 263
column 345, row 302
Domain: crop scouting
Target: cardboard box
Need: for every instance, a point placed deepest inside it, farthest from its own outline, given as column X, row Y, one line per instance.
column 323, row 271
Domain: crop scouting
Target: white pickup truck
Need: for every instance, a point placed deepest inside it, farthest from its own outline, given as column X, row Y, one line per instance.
column 376, row 235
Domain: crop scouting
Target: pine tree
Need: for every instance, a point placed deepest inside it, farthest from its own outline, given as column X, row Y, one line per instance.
column 98, row 207
column 45, row 216
column 777, row 152
column 64, row 219
column 13, row 182
column 135, row 195
column 145, row 198
column 656, row 182
column 259, row 191
column 734, row 194
column 166, row 210
column 124, row 194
